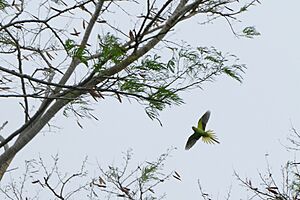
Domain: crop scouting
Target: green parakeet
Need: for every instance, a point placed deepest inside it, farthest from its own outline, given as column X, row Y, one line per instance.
column 207, row 136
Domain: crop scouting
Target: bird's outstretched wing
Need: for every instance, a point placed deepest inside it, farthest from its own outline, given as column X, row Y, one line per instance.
column 210, row 138
column 191, row 141
column 203, row 120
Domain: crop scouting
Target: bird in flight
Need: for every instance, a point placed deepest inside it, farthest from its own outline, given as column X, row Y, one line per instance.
column 207, row 136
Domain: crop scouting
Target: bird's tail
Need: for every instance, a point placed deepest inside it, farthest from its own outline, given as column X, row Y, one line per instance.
column 210, row 138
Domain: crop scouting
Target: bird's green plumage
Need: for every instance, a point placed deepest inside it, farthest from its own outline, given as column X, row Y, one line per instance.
column 207, row 136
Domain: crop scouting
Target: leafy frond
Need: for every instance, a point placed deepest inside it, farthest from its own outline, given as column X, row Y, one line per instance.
column 156, row 81
column 74, row 50
column 80, row 109
column 3, row 4
column 250, row 32
column 111, row 49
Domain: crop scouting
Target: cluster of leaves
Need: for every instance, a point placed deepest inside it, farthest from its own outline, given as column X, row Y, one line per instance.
column 295, row 183
column 250, row 32
column 4, row 39
column 79, row 108
column 110, row 49
column 3, row 4
column 206, row 63
column 76, row 51
column 156, row 82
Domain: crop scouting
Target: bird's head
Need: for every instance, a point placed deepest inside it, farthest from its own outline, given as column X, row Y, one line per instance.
column 194, row 128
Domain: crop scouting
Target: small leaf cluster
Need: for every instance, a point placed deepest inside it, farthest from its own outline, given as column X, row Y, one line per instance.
column 150, row 80
column 250, row 32
column 110, row 49
column 75, row 51
column 80, row 109
column 3, row 4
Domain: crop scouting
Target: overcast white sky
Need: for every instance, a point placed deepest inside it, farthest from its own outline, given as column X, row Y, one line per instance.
column 250, row 119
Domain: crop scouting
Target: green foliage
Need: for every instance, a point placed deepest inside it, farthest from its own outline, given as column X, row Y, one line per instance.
column 157, row 82
column 6, row 43
column 233, row 73
column 250, row 32
column 81, row 54
column 151, row 63
column 78, row 52
column 295, row 184
column 69, row 45
column 3, row 4
column 243, row 9
column 167, row 96
column 148, row 172
column 132, row 85
column 79, row 109
column 110, row 49
column 218, row 63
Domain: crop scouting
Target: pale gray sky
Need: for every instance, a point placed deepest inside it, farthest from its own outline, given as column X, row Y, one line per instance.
column 250, row 119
